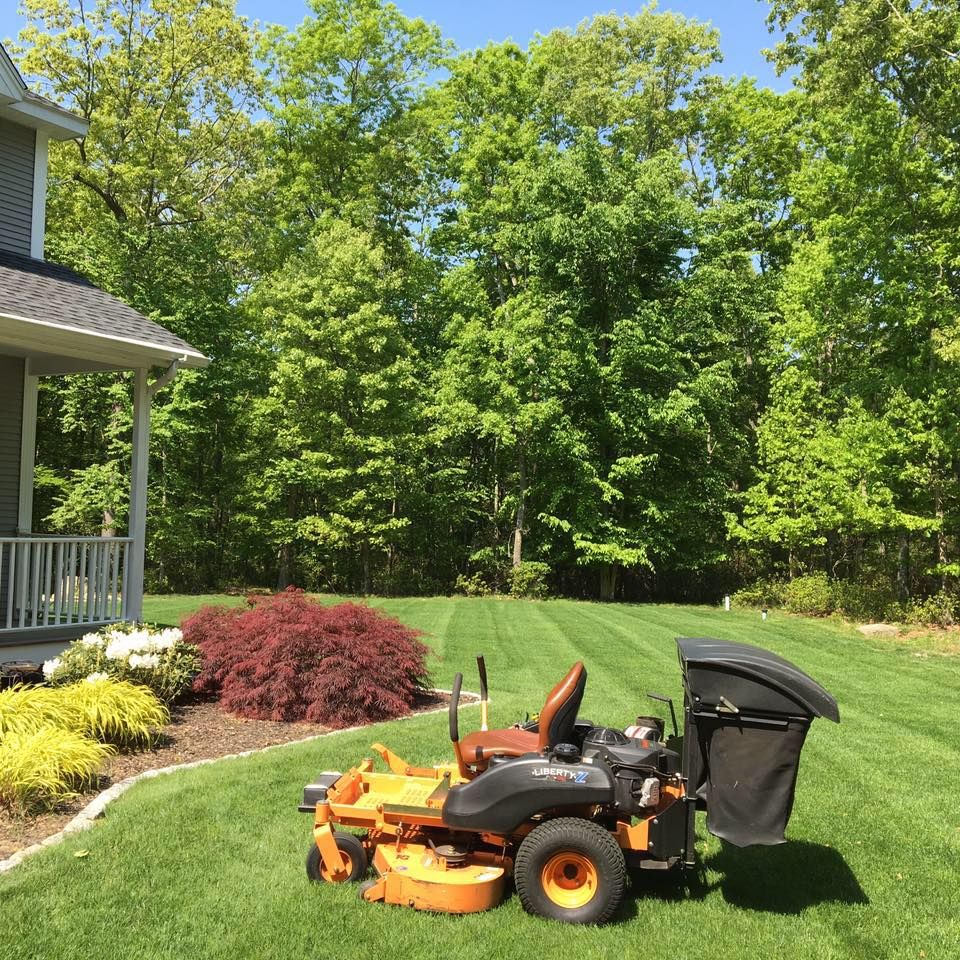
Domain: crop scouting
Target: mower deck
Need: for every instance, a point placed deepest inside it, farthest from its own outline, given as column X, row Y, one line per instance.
column 417, row 876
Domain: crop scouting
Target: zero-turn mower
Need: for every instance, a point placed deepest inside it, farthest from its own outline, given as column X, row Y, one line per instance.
column 564, row 806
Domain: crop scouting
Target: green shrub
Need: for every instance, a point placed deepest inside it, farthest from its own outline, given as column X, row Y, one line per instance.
column 761, row 593
column 474, row 585
column 940, row 610
column 53, row 740
column 26, row 709
column 158, row 659
column 116, row 711
column 47, row 766
column 529, row 580
column 811, row 594
column 868, row 601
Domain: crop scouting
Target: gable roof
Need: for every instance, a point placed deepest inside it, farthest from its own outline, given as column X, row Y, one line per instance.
column 11, row 83
column 33, row 110
column 51, row 309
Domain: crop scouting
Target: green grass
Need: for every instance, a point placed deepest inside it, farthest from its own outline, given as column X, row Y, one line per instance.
column 209, row 863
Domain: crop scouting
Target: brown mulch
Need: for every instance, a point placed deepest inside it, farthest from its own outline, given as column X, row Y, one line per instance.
column 198, row 730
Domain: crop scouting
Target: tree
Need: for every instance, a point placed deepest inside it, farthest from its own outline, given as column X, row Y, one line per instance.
column 869, row 297
column 339, row 425
column 139, row 206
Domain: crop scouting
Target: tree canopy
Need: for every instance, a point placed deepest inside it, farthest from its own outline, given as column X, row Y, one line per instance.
column 583, row 313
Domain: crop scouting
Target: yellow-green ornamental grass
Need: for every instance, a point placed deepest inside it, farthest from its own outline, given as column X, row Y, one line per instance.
column 54, row 740
column 47, row 766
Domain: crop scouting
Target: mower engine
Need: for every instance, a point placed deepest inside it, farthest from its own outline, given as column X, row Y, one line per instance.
column 638, row 767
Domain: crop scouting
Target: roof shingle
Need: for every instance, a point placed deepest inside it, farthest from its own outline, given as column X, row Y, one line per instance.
column 49, row 293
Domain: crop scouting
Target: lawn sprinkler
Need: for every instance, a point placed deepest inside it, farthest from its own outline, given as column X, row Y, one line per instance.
column 563, row 807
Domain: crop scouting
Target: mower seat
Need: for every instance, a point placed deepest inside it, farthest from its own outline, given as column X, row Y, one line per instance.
column 555, row 726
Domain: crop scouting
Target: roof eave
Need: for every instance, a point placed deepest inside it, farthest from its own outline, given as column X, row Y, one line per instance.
column 57, row 123
column 11, row 83
column 100, row 350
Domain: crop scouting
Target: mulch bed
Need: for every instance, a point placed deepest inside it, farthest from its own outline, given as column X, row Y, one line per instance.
column 199, row 730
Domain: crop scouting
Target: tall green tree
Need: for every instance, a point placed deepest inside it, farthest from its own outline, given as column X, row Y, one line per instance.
column 340, row 424
column 139, row 206
column 858, row 459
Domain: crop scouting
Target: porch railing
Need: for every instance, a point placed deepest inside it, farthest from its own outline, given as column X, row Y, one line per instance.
column 60, row 581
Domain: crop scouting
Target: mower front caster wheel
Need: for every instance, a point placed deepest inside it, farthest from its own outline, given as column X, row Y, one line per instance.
column 352, row 850
column 571, row 870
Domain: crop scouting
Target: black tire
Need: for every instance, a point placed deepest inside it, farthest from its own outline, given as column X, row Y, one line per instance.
column 364, row 887
column 347, row 844
column 572, row 870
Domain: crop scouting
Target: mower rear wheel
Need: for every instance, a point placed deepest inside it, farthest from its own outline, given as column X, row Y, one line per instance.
column 571, row 870
column 351, row 849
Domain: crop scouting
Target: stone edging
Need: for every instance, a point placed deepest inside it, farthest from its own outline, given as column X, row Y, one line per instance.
column 95, row 808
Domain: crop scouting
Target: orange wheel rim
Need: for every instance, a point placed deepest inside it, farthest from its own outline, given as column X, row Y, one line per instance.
column 331, row 877
column 569, row 879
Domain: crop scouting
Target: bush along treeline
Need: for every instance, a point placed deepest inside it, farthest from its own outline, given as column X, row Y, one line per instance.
column 583, row 317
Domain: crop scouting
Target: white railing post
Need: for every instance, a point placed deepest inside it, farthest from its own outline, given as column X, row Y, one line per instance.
column 133, row 598
column 53, row 581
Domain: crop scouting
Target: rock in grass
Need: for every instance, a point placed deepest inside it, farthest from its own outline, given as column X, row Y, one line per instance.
column 878, row 629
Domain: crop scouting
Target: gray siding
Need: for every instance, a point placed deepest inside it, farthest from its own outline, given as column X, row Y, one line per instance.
column 17, row 146
column 11, row 419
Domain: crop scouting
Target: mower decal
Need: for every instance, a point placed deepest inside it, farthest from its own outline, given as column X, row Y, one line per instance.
column 559, row 774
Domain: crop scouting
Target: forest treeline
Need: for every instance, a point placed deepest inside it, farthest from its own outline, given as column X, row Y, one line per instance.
column 584, row 315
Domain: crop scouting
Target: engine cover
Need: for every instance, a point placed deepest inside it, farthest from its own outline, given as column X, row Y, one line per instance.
column 506, row 795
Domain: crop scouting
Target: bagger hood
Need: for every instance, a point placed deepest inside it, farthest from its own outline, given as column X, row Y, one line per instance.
column 752, row 679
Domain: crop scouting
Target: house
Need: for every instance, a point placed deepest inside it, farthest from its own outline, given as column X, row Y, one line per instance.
column 53, row 322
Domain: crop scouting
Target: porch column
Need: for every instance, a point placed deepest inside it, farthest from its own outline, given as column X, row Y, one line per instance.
column 133, row 601
column 28, row 451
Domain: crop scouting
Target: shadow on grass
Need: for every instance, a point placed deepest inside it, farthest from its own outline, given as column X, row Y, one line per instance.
column 785, row 879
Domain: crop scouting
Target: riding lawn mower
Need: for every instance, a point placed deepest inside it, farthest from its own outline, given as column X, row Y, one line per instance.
column 564, row 806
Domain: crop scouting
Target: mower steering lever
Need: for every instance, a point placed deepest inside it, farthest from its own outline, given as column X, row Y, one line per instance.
column 454, row 704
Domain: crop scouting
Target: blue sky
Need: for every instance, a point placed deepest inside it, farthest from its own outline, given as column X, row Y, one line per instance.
column 743, row 32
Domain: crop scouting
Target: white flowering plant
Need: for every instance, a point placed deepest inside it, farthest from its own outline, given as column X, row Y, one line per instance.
column 156, row 657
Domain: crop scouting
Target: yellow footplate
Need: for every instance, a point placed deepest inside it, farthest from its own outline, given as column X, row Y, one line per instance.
column 415, row 876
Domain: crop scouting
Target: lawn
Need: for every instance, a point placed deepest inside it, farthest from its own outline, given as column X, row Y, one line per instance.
column 209, row 863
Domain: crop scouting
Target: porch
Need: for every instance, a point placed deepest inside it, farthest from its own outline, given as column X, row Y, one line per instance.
column 54, row 588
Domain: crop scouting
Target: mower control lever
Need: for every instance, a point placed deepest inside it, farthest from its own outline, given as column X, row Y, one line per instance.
column 482, row 668
column 455, row 726
column 454, row 703
column 673, row 713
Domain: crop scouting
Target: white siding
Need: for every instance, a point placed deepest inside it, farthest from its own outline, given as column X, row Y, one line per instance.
column 17, row 147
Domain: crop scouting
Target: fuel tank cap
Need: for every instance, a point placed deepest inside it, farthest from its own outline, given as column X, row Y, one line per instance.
column 566, row 752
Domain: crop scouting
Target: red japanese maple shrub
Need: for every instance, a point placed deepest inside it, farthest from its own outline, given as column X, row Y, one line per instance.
column 289, row 658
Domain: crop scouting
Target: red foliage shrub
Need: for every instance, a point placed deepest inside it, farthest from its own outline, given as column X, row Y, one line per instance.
column 288, row 658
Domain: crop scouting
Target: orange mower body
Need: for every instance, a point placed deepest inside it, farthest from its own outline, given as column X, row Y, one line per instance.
column 562, row 807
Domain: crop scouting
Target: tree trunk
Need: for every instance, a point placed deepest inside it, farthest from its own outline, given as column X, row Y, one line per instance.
column 903, row 568
column 285, row 571
column 609, row 574
column 521, row 511
column 365, row 561
column 287, row 551
column 109, row 528
column 941, row 538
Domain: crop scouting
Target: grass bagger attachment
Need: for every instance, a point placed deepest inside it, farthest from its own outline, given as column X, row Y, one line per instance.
column 563, row 806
